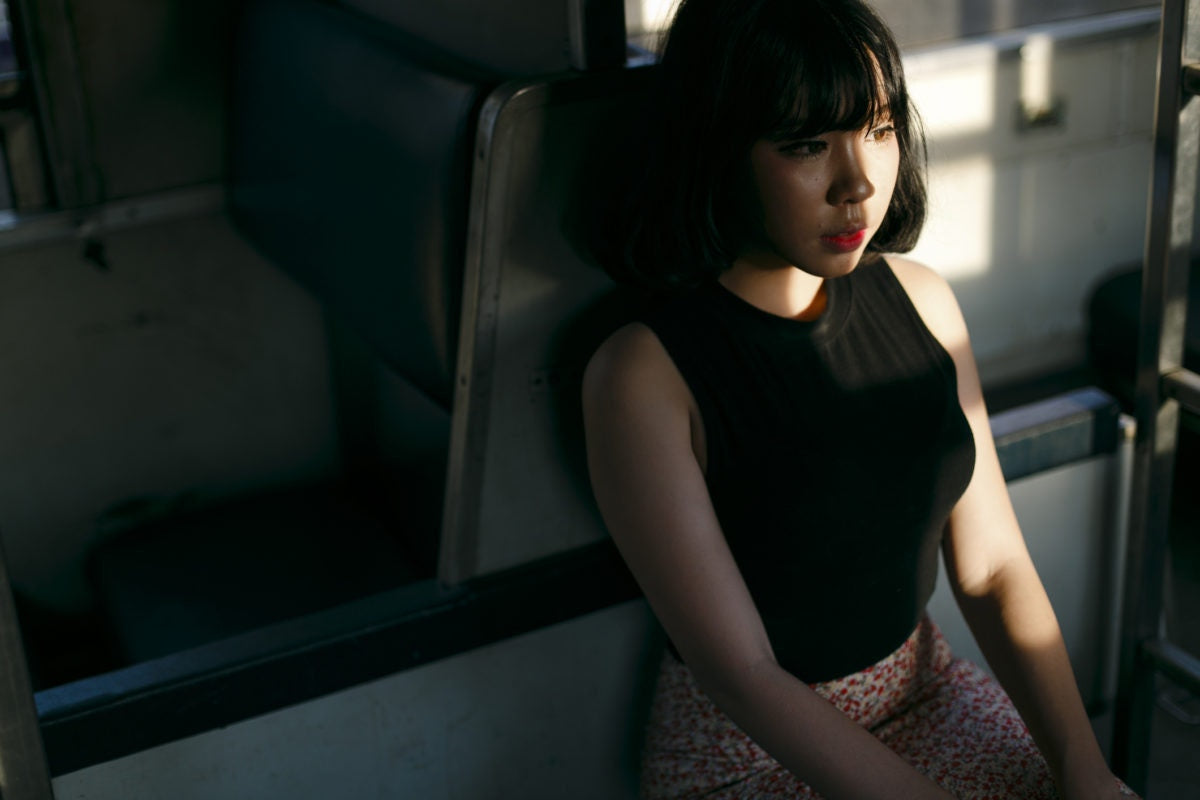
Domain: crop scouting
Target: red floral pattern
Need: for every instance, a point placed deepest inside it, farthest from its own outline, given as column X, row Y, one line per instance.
column 944, row 715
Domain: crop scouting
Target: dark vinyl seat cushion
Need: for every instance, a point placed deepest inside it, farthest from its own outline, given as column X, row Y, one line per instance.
column 1113, row 315
column 216, row 572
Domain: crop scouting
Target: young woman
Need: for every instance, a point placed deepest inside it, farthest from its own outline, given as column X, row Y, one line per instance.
column 781, row 446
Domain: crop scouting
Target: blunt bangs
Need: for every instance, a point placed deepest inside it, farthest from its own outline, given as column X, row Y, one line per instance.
column 830, row 73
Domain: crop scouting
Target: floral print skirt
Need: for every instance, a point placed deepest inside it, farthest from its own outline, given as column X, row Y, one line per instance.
column 944, row 715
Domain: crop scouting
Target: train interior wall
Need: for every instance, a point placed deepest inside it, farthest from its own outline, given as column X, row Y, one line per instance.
column 148, row 366
column 178, row 360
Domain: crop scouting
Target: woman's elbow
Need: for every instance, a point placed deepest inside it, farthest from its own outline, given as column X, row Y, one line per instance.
column 739, row 684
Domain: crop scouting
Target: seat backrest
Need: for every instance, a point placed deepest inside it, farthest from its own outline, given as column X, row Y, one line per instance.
column 535, row 306
column 350, row 169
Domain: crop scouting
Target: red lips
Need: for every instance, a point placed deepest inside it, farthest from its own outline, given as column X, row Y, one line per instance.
column 845, row 241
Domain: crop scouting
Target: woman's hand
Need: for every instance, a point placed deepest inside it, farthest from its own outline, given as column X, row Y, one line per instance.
column 1094, row 782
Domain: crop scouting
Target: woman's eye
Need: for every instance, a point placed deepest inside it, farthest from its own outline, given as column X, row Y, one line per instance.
column 882, row 134
column 806, row 149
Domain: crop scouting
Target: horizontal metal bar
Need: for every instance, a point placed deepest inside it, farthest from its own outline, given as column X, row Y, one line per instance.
column 1183, row 385
column 1174, row 662
column 23, row 231
column 22, row 757
column 1191, row 78
column 1094, row 27
column 1053, row 432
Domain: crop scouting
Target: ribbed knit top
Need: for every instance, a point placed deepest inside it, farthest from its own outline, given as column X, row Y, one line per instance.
column 836, row 450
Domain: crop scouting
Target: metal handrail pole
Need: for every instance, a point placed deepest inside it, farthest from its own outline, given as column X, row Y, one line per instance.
column 1183, row 385
column 24, row 774
column 1160, row 349
column 1175, row 663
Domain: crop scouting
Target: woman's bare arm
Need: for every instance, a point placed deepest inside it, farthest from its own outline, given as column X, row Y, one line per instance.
column 652, row 495
column 994, row 579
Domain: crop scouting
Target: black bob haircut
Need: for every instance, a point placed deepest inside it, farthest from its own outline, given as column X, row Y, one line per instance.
column 734, row 72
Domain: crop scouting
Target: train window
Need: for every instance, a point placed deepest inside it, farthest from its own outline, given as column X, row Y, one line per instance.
column 8, row 60
column 646, row 19
column 22, row 174
column 9, row 87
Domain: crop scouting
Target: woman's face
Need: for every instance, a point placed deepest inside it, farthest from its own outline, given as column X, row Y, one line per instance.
column 821, row 200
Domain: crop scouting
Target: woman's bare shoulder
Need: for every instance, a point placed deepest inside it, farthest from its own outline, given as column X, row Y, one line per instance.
column 917, row 278
column 632, row 365
column 933, row 298
column 632, row 346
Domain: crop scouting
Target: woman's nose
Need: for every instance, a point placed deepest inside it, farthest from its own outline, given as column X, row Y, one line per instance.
column 850, row 182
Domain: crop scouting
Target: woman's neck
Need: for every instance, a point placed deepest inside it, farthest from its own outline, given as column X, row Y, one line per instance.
column 776, row 288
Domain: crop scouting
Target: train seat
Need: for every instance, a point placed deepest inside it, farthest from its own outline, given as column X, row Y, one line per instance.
column 212, row 573
column 1113, row 311
column 350, row 169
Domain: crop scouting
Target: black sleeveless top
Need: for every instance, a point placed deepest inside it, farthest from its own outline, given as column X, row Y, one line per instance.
column 836, row 451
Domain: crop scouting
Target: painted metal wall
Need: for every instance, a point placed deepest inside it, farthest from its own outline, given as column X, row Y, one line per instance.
column 170, row 363
column 551, row 714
